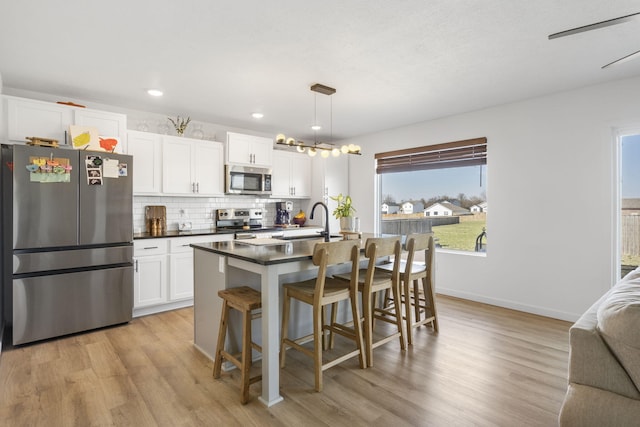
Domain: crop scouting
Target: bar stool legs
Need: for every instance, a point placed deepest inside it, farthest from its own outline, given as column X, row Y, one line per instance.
column 245, row 300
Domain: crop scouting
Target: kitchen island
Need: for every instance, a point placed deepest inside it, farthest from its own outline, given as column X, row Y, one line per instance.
column 260, row 263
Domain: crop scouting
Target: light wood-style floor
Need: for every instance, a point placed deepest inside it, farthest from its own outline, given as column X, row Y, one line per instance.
column 486, row 367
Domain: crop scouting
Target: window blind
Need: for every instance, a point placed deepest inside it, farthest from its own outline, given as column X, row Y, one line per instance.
column 468, row 152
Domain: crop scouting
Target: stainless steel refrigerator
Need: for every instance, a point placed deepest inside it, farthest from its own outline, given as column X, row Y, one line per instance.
column 67, row 240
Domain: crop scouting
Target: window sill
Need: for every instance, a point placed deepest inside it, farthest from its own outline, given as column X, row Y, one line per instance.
column 467, row 253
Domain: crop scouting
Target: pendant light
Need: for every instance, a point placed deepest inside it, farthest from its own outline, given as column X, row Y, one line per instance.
column 326, row 149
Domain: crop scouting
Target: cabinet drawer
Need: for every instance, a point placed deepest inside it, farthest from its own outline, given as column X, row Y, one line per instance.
column 145, row 247
column 181, row 244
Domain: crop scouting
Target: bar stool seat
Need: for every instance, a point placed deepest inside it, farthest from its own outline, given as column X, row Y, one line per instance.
column 246, row 300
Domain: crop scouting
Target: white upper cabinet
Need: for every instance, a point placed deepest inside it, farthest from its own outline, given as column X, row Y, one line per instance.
column 177, row 173
column 291, row 175
column 248, row 150
column 146, row 149
column 108, row 124
column 29, row 117
column 191, row 167
column 176, row 166
column 209, row 168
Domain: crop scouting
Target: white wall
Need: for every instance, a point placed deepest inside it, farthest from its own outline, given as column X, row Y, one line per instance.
column 555, row 151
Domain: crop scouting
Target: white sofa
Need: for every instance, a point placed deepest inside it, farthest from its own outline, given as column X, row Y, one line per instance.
column 604, row 360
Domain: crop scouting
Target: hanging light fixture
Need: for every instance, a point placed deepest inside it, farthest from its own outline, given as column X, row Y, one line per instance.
column 325, row 149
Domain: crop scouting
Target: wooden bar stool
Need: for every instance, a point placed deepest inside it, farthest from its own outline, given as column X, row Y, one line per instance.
column 245, row 300
column 371, row 283
column 420, row 299
column 319, row 293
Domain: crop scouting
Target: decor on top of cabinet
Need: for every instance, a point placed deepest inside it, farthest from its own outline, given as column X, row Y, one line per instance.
column 325, row 149
column 197, row 132
column 180, row 124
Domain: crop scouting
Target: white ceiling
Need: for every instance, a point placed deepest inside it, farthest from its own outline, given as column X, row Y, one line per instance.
column 393, row 63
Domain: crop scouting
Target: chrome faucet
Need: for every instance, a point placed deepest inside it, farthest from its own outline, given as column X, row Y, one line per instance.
column 326, row 219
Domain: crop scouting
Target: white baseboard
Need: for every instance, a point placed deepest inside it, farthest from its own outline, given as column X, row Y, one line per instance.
column 541, row 311
column 144, row 311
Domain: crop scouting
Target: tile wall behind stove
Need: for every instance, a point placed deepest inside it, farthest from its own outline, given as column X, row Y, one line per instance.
column 201, row 211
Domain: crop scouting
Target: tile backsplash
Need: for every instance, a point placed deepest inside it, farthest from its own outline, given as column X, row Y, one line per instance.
column 201, row 210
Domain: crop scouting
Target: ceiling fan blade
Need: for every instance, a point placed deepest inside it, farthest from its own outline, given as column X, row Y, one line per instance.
column 595, row 26
column 623, row 59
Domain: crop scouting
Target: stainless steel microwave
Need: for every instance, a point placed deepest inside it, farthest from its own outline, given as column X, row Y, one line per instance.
column 247, row 180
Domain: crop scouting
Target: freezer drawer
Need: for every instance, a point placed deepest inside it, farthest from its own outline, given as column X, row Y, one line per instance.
column 54, row 305
column 32, row 262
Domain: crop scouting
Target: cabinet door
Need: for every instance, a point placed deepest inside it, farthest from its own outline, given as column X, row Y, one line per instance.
column 26, row 118
column 238, row 148
column 146, row 149
column 181, row 276
column 330, row 178
column 209, row 168
column 249, row 150
column 281, row 174
column 108, row 124
column 177, row 171
column 262, row 149
column 149, row 280
column 336, row 181
column 301, row 175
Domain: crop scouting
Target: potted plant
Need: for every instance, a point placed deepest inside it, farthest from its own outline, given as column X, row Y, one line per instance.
column 344, row 212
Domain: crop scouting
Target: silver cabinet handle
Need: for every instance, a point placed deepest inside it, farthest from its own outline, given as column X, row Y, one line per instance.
column 136, row 266
column 197, row 187
column 151, row 247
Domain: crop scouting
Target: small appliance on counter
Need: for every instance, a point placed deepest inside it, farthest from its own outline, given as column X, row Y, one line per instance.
column 155, row 219
column 283, row 214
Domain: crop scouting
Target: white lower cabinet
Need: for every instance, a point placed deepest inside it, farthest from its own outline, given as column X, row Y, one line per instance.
column 150, row 272
column 163, row 272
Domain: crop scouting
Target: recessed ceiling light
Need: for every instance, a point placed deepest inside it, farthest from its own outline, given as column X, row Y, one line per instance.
column 316, row 127
column 257, row 115
column 154, row 92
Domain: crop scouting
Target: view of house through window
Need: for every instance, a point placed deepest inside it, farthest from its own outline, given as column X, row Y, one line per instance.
column 630, row 203
column 429, row 193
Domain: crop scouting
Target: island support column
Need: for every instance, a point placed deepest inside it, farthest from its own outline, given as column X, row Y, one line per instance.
column 271, row 336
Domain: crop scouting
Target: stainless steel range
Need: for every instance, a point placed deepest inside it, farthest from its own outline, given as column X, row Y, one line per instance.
column 247, row 223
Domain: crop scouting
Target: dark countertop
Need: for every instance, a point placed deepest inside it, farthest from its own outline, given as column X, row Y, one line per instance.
column 176, row 233
column 287, row 251
column 211, row 231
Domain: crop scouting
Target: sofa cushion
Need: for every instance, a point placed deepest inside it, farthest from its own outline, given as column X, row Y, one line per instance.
column 619, row 323
column 593, row 407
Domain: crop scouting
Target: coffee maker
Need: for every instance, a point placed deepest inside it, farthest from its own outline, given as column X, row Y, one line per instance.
column 283, row 213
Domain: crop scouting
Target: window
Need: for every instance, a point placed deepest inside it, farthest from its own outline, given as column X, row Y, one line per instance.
column 442, row 182
column 630, row 202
